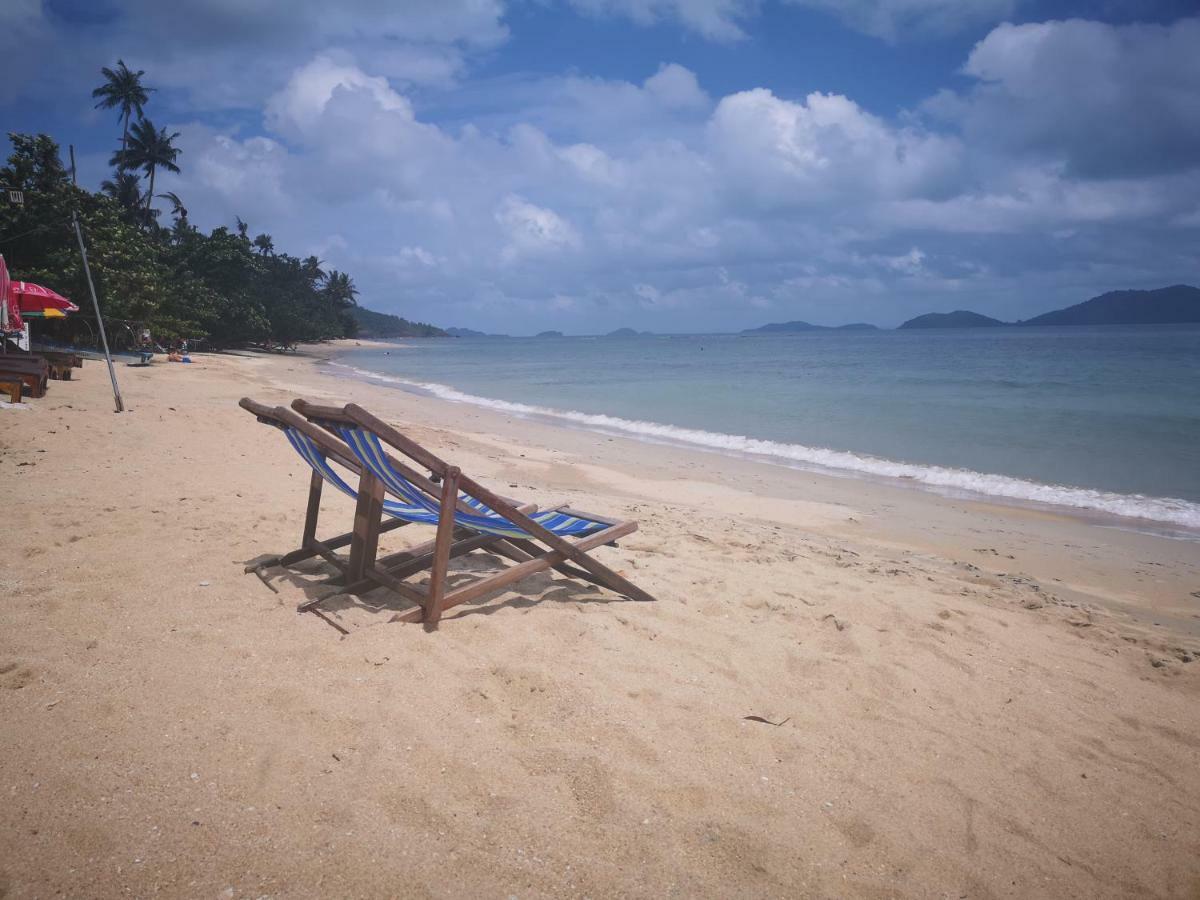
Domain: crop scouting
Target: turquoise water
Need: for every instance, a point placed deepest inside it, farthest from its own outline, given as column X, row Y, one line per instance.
column 1104, row 418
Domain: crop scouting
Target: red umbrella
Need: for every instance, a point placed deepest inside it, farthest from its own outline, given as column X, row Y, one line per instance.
column 10, row 313
column 39, row 302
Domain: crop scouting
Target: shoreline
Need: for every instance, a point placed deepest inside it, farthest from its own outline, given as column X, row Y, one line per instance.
column 976, row 699
column 1093, row 505
column 848, row 493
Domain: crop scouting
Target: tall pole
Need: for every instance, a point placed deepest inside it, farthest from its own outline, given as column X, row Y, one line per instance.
column 87, row 270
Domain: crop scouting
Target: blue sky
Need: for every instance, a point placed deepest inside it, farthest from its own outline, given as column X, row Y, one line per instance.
column 673, row 165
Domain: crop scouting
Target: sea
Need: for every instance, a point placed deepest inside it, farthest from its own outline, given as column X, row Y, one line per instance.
column 1103, row 420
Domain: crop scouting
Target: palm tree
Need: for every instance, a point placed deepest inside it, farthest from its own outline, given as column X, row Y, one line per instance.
column 123, row 88
column 178, row 210
column 149, row 149
column 340, row 288
column 124, row 187
column 311, row 267
column 266, row 246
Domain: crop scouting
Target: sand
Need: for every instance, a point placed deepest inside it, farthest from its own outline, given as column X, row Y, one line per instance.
column 972, row 700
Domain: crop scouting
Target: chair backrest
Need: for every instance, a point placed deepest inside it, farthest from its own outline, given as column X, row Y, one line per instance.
column 371, row 454
column 290, row 424
column 366, row 436
column 363, row 439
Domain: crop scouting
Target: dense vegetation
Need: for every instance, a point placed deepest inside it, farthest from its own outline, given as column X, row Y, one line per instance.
column 382, row 325
column 224, row 286
column 1179, row 303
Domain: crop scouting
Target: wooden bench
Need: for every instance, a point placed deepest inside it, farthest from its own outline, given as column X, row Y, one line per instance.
column 61, row 362
column 32, row 370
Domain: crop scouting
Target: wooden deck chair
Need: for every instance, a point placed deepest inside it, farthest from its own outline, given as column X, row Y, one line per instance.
column 321, row 450
column 318, row 448
column 535, row 541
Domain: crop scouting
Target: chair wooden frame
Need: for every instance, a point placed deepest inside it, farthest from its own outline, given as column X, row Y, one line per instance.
column 538, row 551
column 310, row 545
column 363, row 539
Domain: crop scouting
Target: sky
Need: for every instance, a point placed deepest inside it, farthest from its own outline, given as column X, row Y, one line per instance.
column 668, row 165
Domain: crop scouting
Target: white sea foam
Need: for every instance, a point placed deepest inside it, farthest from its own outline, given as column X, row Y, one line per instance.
column 1136, row 506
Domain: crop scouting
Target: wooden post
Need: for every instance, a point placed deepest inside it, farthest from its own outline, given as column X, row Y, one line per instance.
column 441, row 553
column 314, row 509
column 367, row 515
column 112, row 373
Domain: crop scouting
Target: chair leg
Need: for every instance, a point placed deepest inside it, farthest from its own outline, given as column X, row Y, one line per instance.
column 441, row 553
column 315, row 483
column 602, row 574
column 527, row 550
column 314, row 547
column 368, row 514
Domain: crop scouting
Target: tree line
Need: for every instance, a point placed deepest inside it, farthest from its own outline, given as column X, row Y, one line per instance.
column 224, row 286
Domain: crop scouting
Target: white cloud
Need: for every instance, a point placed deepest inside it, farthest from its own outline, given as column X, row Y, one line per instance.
column 723, row 20
column 909, row 263
column 676, row 87
column 824, row 150
column 246, row 174
column 1105, row 100
column 591, row 203
column 417, row 256
column 222, row 54
column 301, row 105
column 714, row 19
column 533, row 230
column 896, row 19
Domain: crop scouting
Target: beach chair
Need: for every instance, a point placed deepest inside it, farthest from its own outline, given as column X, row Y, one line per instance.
column 321, row 450
column 317, row 449
column 534, row 541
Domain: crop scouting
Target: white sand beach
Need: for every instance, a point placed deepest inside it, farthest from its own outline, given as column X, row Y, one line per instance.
column 962, row 699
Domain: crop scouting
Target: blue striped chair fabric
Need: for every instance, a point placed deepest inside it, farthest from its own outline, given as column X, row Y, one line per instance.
column 414, row 504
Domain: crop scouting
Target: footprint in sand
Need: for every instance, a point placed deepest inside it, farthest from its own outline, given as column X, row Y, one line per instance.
column 14, row 676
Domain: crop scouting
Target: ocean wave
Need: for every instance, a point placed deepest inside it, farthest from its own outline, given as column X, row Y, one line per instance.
column 1135, row 506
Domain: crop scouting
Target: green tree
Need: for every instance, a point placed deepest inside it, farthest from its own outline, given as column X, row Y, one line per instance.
column 35, row 164
column 178, row 210
column 180, row 282
column 126, row 189
column 149, row 149
column 123, row 89
column 339, row 287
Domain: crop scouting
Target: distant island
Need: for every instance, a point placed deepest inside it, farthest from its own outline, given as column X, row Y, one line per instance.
column 549, row 334
column 789, row 327
column 1175, row 305
column 373, row 324
column 470, row 332
column 629, row 332
column 960, row 318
